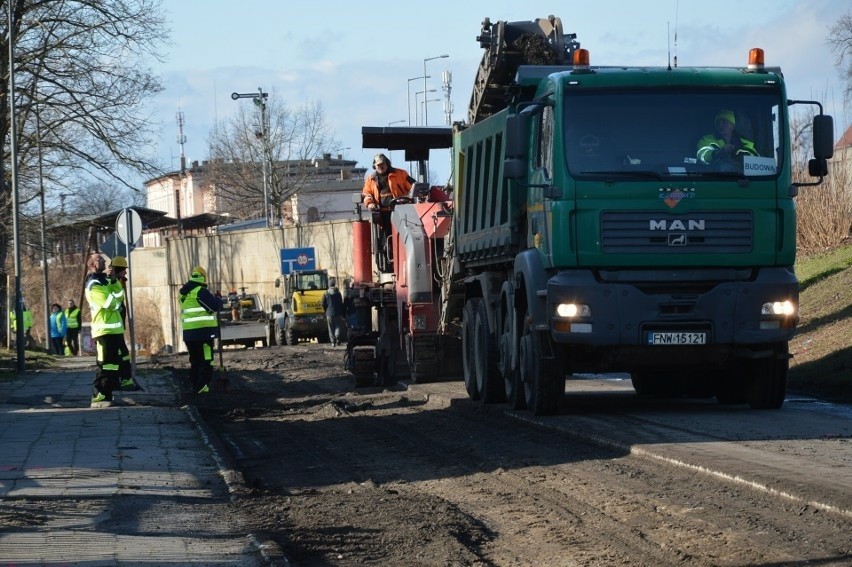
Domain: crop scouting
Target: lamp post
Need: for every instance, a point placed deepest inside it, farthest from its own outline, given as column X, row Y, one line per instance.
column 259, row 99
column 396, row 122
column 424, row 77
column 417, row 102
column 426, row 110
column 339, row 150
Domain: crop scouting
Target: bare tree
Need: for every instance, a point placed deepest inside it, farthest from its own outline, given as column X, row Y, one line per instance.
column 238, row 150
column 840, row 40
column 82, row 75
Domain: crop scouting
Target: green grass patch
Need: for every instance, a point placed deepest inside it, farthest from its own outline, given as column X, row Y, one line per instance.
column 816, row 267
column 822, row 347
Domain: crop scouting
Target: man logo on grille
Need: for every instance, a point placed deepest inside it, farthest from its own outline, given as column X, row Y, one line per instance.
column 677, row 239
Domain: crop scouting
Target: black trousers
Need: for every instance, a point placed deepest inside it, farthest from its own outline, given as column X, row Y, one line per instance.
column 200, row 363
column 72, row 339
column 113, row 359
column 56, row 343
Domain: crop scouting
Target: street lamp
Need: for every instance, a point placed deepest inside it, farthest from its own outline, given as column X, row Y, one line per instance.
column 259, row 99
column 339, row 150
column 396, row 122
column 424, row 77
column 416, row 103
column 426, row 110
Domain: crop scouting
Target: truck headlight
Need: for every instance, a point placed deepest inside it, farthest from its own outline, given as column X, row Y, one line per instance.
column 783, row 308
column 570, row 310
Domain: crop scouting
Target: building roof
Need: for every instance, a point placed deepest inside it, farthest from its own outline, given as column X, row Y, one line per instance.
column 845, row 140
column 105, row 222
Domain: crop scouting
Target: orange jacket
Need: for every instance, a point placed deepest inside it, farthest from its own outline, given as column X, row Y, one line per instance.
column 400, row 184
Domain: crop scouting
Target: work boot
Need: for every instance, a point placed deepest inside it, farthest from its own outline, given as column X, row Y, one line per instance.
column 130, row 385
column 99, row 400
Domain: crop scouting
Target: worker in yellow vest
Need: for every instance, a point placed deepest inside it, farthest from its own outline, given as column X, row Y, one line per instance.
column 75, row 321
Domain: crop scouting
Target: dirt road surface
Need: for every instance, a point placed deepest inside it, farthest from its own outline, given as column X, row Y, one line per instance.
column 327, row 474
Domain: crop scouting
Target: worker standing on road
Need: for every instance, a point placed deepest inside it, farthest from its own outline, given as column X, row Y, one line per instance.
column 72, row 336
column 200, row 323
column 332, row 303
column 58, row 329
column 105, row 295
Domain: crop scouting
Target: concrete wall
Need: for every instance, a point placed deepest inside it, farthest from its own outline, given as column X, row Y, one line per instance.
column 233, row 260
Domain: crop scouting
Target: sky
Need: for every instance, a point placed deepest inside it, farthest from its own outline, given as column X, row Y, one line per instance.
column 356, row 58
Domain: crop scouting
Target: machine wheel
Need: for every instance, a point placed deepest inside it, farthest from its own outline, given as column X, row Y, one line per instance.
column 540, row 383
column 488, row 383
column 280, row 337
column 512, row 387
column 468, row 354
column 767, row 383
column 290, row 337
column 270, row 334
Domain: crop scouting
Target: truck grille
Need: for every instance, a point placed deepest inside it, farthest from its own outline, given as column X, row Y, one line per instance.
column 698, row 232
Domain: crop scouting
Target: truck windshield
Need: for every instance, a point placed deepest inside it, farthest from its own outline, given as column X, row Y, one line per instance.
column 308, row 281
column 663, row 134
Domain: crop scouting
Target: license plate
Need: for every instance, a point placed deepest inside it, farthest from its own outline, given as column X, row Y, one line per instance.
column 676, row 338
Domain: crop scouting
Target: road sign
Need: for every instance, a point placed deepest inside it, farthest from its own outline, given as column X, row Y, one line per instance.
column 295, row 259
column 112, row 246
column 129, row 224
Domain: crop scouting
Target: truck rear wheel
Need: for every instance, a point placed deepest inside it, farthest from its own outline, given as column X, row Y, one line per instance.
column 488, row 383
column 767, row 380
column 468, row 354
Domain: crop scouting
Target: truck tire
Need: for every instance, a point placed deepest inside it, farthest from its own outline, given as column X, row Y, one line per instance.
column 767, row 381
column 489, row 385
column 468, row 354
column 541, row 392
column 513, row 390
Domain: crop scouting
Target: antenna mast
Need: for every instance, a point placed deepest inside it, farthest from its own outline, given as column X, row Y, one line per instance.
column 181, row 139
column 677, row 6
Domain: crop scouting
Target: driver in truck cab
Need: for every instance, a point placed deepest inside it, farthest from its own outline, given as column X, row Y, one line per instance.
column 725, row 142
column 385, row 184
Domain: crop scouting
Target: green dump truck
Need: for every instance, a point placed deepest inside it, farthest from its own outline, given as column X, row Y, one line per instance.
column 591, row 233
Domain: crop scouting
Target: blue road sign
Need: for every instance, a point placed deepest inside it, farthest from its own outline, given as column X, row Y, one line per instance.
column 296, row 259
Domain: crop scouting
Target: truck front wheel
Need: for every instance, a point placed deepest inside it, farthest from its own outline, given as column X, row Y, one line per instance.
column 767, row 380
column 542, row 391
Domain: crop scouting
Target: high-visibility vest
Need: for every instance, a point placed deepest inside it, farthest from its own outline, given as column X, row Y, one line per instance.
column 73, row 317
column 106, row 302
column 193, row 315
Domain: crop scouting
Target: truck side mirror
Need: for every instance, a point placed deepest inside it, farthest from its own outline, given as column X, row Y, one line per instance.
column 823, row 129
column 817, row 167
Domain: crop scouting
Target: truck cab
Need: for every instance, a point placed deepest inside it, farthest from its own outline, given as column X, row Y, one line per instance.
column 301, row 317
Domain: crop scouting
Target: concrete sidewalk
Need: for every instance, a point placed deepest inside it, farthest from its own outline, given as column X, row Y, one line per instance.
column 133, row 484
